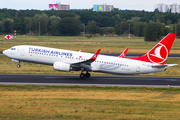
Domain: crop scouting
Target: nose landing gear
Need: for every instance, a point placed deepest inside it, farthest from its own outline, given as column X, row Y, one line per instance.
column 18, row 65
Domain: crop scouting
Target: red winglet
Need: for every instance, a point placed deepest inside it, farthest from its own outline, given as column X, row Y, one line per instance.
column 124, row 53
column 95, row 55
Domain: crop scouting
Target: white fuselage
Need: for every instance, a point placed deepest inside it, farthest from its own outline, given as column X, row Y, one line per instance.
column 103, row 63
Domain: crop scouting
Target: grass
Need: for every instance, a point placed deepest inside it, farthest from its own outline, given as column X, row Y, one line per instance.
column 76, row 102
column 107, row 44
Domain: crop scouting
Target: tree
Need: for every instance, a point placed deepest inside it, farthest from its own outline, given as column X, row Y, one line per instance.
column 156, row 10
column 2, row 16
column 106, row 30
column 44, row 23
column 1, row 28
column 41, row 20
column 122, row 28
column 70, row 26
column 17, row 23
column 158, row 17
column 7, row 25
column 92, row 28
column 154, row 31
column 176, row 28
column 28, row 24
column 141, row 29
column 23, row 26
column 55, row 18
column 54, row 25
column 138, row 28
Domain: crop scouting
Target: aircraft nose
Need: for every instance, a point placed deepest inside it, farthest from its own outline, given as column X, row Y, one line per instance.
column 5, row 52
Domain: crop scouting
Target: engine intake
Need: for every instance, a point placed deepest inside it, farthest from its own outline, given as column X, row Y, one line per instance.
column 61, row 66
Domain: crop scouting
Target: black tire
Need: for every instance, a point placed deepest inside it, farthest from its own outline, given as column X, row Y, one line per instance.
column 18, row 66
column 82, row 76
column 88, row 75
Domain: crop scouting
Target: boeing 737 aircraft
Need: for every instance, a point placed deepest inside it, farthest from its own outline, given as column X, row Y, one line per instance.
column 66, row 60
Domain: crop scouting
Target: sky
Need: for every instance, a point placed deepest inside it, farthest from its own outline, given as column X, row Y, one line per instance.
column 147, row 5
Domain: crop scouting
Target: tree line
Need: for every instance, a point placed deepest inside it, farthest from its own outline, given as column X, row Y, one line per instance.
column 74, row 22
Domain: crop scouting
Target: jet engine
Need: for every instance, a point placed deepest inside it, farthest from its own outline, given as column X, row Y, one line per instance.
column 61, row 67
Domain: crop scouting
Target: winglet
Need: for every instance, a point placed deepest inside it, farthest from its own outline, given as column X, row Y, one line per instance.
column 124, row 53
column 95, row 55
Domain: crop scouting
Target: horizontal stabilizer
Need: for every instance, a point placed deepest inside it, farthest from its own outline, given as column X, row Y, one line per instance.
column 166, row 65
column 169, row 65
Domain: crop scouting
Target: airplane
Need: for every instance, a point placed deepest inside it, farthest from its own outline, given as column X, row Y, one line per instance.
column 67, row 60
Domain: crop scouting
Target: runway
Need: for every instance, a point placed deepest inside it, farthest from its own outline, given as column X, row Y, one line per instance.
column 70, row 80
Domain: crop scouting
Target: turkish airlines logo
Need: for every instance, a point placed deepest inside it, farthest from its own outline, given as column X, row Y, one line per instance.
column 158, row 54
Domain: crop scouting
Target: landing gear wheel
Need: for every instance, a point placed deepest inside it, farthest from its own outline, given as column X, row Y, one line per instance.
column 18, row 65
column 82, row 76
column 88, row 75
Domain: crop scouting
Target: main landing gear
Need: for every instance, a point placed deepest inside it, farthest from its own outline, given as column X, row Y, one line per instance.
column 82, row 75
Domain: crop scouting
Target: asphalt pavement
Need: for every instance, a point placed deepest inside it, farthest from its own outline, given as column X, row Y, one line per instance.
column 69, row 80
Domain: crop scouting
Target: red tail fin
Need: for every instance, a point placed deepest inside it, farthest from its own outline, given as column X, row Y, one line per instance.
column 159, row 53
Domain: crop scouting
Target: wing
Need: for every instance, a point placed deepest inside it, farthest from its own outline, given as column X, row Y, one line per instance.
column 124, row 53
column 87, row 63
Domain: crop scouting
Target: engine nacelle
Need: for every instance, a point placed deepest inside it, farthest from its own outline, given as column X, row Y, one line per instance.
column 61, row 67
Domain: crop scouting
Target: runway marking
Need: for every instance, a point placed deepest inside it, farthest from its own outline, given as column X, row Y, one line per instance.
column 52, row 77
column 170, row 79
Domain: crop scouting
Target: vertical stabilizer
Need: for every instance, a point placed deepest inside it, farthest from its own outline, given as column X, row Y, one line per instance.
column 159, row 53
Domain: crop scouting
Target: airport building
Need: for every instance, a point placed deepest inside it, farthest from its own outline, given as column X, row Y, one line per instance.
column 174, row 8
column 103, row 8
column 59, row 6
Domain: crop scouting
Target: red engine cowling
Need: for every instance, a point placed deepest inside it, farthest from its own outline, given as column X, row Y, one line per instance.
column 61, row 66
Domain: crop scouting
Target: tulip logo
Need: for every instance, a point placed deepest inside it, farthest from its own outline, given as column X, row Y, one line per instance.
column 158, row 54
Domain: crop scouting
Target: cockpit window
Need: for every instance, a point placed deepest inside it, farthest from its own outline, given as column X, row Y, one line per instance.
column 13, row 48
